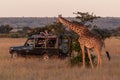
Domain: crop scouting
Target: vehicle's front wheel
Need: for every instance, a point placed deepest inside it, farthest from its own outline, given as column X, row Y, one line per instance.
column 14, row 55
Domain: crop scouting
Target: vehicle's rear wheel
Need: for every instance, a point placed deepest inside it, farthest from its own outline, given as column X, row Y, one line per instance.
column 14, row 55
column 45, row 56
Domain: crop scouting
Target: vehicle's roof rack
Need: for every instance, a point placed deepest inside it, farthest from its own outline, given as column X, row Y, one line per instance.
column 43, row 36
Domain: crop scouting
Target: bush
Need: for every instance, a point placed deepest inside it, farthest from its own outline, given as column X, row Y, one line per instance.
column 4, row 35
column 78, row 60
column 16, row 35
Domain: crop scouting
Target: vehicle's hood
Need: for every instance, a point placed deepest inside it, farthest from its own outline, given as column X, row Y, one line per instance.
column 21, row 48
column 16, row 47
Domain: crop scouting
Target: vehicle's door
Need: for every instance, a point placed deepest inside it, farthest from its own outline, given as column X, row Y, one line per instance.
column 28, row 48
column 39, row 48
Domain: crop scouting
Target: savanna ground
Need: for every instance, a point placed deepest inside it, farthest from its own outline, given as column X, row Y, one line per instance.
column 56, row 69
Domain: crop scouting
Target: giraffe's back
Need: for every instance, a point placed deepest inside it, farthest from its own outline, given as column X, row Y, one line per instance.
column 90, row 40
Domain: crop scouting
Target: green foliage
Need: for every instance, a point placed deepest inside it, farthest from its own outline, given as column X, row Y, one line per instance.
column 59, row 29
column 5, row 29
column 118, row 29
column 75, row 46
column 103, row 33
column 14, row 35
column 36, row 30
column 116, row 32
column 4, row 35
column 85, row 17
column 26, row 29
column 78, row 60
column 11, row 35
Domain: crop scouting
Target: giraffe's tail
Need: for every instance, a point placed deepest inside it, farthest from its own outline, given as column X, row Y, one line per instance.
column 108, row 56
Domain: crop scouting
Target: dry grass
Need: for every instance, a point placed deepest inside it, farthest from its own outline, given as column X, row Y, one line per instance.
column 56, row 69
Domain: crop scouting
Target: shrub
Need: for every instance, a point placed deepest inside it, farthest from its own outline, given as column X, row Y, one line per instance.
column 78, row 59
column 4, row 35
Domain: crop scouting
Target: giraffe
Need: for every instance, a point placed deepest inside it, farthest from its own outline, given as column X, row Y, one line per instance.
column 87, row 39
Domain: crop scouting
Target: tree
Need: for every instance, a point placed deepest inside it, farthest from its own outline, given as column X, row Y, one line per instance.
column 5, row 29
column 58, row 28
column 103, row 33
column 26, row 29
column 36, row 30
column 116, row 31
column 85, row 18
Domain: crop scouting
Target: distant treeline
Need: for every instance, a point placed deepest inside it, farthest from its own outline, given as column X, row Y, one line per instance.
column 8, row 31
column 32, row 22
column 25, row 27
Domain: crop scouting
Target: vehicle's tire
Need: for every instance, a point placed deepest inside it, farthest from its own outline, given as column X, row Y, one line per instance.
column 14, row 55
column 45, row 57
column 64, row 48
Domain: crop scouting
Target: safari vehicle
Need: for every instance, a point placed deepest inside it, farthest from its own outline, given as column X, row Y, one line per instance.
column 43, row 45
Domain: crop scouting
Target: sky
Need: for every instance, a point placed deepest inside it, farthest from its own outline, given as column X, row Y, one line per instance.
column 52, row 8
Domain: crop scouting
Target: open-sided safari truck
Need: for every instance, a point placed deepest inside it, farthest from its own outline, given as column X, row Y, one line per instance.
column 43, row 45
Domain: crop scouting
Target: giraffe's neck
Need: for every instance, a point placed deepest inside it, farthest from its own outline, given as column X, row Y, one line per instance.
column 79, row 29
column 65, row 22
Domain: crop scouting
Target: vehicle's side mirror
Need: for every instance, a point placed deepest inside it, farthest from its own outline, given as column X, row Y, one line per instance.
column 27, row 44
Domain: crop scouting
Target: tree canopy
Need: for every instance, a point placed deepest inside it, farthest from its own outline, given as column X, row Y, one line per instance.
column 5, row 29
column 85, row 17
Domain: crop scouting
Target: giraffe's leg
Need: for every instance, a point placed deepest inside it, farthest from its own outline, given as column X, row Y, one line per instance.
column 89, row 55
column 83, row 56
column 83, row 52
column 99, row 57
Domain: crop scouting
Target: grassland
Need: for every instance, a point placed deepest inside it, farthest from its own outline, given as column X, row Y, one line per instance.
column 56, row 69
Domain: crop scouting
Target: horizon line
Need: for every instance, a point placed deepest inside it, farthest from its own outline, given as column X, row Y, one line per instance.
column 48, row 16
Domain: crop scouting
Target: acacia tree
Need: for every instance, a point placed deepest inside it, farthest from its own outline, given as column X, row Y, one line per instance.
column 85, row 18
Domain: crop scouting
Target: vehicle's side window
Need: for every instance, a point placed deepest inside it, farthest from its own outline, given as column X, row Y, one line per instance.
column 40, row 42
column 51, row 43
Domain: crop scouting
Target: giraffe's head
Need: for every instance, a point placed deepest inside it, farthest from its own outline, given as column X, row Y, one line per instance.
column 60, row 15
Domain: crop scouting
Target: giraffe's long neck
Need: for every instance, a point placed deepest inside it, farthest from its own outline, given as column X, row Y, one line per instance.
column 80, row 30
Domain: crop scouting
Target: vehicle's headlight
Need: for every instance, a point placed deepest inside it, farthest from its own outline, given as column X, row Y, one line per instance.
column 11, row 48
